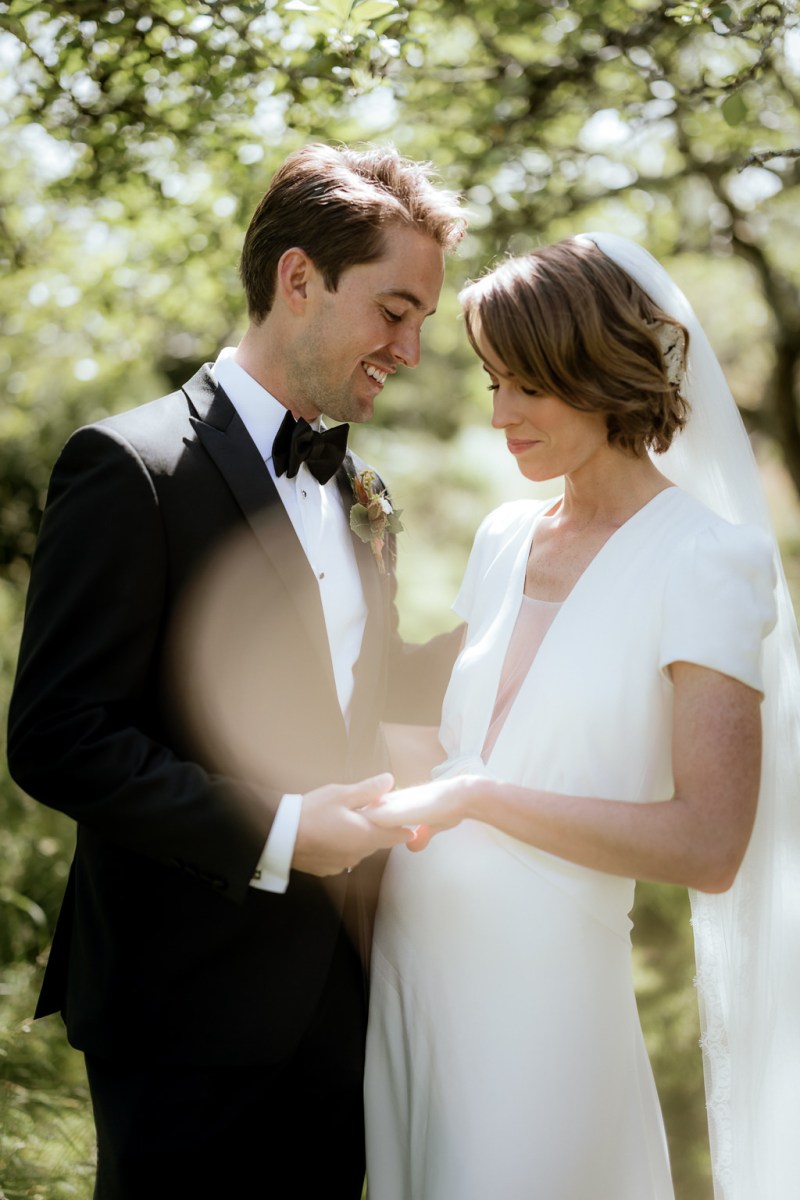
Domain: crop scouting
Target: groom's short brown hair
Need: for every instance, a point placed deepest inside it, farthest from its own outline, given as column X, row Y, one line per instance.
column 336, row 203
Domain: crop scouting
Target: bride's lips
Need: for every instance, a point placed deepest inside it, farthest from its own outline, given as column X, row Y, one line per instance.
column 518, row 446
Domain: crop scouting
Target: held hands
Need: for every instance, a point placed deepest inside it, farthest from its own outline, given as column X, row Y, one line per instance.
column 335, row 832
column 342, row 823
column 429, row 808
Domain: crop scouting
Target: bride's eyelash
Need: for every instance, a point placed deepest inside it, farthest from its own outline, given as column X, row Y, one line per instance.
column 492, row 387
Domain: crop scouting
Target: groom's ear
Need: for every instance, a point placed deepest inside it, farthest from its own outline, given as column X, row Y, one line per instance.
column 295, row 273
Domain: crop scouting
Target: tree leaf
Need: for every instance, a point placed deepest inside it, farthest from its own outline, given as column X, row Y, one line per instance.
column 734, row 109
column 370, row 10
column 340, row 9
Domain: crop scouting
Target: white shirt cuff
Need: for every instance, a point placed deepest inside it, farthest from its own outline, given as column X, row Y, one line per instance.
column 272, row 870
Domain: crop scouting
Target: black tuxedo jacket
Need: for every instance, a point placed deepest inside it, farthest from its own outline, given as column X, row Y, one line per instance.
column 162, row 948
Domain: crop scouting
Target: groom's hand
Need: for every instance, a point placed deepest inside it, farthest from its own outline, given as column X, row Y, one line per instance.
column 334, row 835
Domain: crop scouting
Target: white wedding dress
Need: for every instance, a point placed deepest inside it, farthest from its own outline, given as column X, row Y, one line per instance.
column 505, row 1060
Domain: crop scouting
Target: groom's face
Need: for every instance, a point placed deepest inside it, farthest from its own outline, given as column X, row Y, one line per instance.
column 356, row 337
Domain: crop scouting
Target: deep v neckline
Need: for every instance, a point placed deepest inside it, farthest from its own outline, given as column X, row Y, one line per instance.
column 510, row 616
column 531, row 626
column 612, row 537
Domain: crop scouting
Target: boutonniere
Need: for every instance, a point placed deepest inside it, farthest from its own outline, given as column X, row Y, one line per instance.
column 372, row 516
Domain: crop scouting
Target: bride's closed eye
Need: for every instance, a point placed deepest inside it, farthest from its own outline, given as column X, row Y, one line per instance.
column 494, row 384
column 492, row 387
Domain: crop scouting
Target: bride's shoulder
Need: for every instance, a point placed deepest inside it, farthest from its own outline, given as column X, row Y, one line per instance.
column 512, row 515
column 695, row 523
column 498, row 541
column 504, row 530
column 711, row 556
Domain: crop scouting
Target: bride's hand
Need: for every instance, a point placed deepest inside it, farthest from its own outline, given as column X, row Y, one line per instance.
column 428, row 808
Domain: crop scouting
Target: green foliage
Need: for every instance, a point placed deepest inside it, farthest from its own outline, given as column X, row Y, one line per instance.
column 664, row 970
column 46, row 1143
column 137, row 139
column 46, row 1136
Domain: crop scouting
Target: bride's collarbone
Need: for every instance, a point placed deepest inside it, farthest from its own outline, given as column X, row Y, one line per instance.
column 558, row 558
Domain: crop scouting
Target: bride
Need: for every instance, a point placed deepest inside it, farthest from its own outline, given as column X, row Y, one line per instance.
column 603, row 723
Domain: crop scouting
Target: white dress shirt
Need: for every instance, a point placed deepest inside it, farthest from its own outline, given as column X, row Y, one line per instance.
column 322, row 527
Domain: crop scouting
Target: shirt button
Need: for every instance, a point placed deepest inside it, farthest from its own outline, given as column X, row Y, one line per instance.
column 304, row 494
column 322, row 574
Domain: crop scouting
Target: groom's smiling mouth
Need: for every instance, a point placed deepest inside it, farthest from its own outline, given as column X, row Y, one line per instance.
column 376, row 373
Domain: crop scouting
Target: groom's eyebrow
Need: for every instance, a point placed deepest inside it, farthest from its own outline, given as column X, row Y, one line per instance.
column 410, row 298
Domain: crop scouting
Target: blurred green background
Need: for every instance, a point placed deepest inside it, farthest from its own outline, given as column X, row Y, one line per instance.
column 135, row 141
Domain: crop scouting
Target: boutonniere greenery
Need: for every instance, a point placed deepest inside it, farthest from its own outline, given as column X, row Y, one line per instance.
column 372, row 516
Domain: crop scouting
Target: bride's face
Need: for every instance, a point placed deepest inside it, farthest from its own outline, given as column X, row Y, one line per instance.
column 547, row 437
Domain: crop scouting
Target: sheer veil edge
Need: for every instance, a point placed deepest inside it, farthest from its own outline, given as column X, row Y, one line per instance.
column 747, row 940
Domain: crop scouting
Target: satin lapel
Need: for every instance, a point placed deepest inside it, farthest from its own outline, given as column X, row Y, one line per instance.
column 225, row 438
column 367, row 671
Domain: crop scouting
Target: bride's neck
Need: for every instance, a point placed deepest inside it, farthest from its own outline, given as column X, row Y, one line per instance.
column 610, row 493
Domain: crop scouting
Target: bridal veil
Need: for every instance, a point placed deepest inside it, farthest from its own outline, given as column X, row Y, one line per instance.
column 747, row 940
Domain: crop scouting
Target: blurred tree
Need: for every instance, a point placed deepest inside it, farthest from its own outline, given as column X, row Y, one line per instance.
column 138, row 138
column 647, row 118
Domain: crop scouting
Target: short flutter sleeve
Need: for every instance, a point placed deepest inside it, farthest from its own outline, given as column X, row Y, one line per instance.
column 719, row 602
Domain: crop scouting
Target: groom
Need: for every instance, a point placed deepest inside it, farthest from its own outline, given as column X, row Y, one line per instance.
column 206, row 656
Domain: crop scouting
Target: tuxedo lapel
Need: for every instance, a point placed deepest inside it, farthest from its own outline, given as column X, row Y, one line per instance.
column 225, row 438
column 367, row 670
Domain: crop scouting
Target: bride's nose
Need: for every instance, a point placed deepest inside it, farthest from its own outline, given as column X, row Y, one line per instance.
column 504, row 411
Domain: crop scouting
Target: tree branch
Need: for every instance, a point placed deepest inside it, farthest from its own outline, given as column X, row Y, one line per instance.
column 764, row 156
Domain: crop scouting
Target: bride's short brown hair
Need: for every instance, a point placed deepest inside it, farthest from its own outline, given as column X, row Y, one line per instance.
column 566, row 321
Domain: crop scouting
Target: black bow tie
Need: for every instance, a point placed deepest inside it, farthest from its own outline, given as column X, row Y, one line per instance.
column 321, row 450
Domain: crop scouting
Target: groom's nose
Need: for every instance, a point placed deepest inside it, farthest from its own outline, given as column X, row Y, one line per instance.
column 405, row 346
